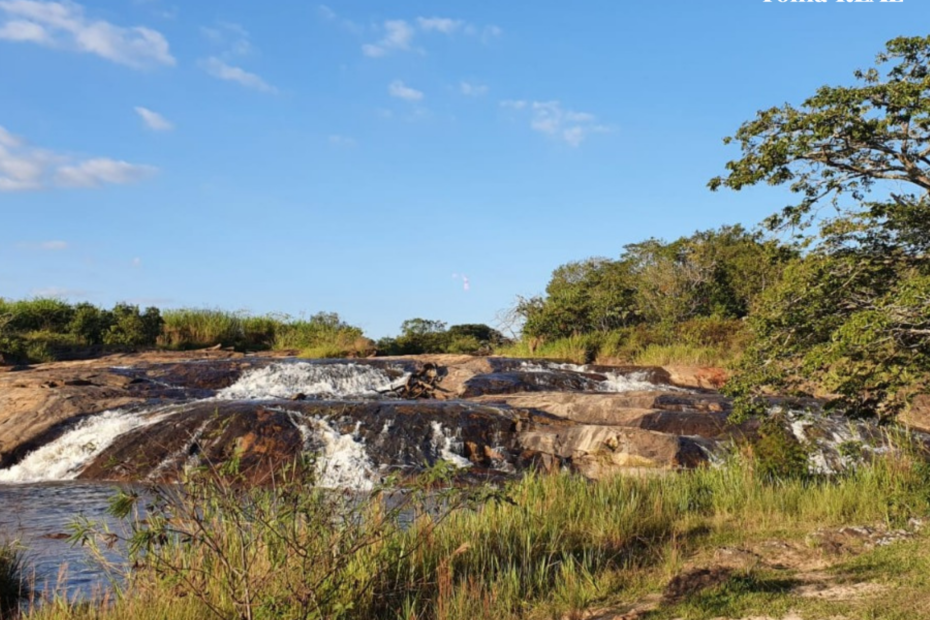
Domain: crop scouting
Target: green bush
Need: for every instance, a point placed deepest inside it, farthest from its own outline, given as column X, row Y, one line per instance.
column 40, row 314
column 132, row 328
column 90, row 323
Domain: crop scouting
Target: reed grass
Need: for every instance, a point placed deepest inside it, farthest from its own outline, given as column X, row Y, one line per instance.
column 558, row 545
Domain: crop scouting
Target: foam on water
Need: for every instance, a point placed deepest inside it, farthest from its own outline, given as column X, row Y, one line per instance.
column 66, row 457
column 325, row 380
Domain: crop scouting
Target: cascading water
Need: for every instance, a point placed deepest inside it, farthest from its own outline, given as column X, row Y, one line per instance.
column 65, row 457
column 285, row 380
column 614, row 382
column 448, row 447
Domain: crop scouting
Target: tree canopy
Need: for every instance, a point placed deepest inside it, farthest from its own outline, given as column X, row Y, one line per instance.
column 852, row 317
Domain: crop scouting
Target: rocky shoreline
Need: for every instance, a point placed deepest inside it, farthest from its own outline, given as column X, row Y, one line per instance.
column 490, row 415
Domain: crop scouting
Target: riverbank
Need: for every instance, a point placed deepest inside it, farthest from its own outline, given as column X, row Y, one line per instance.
column 710, row 543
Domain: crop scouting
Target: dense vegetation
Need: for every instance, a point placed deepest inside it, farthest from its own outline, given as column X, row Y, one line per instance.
column 427, row 336
column 542, row 547
column 853, row 317
column 40, row 330
column 687, row 297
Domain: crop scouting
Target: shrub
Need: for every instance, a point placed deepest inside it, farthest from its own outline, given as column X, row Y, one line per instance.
column 90, row 323
column 132, row 328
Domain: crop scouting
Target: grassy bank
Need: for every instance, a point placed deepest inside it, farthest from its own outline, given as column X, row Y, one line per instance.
column 557, row 545
column 704, row 341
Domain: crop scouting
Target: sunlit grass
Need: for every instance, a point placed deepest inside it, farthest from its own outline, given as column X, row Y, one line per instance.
column 558, row 544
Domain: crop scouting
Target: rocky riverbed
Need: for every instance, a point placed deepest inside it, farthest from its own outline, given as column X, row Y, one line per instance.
column 149, row 416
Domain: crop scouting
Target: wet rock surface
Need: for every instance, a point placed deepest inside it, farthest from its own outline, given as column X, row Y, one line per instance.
column 150, row 416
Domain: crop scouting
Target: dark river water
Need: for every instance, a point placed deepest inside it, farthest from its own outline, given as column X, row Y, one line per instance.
column 38, row 515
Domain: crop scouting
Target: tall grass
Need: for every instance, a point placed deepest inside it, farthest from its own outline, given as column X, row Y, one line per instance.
column 559, row 544
column 321, row 335
column 14, row 585
column 196, row 328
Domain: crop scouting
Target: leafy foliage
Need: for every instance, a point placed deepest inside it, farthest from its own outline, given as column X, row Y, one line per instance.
column 429, row 336
column 852, row 318
column 714, row 273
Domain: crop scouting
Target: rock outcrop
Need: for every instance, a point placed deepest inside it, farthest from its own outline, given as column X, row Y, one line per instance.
column 489, row 416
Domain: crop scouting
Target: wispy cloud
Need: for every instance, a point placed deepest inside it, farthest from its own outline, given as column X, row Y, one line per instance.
column 398, row 34
column 24, row 167
column 401, row 91
column 550, row 118
column 64, row 25
column 154, row 120
column 471, row 89
column 101, row 171
column 234, row 38
column 223, row 71
column 328, row 14
column 444, row 25
column 342, row 141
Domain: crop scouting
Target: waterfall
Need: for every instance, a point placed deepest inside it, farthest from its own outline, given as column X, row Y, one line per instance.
column 285, row 380
column 65, row 457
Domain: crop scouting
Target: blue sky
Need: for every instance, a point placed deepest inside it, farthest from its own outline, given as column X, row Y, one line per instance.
column 362, row 157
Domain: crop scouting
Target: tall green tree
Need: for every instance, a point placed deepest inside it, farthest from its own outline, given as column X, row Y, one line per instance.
column 852, row 318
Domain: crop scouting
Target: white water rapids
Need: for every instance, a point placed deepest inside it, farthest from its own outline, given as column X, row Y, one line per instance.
column 65, row 457
column 615, row 382
column 343, row 459
column 326, row 380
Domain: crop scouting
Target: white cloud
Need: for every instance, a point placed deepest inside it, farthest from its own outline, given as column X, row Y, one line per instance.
column 439, row 24
column 154, row 120
column 397, row 37
column 327, row 12
column 100, row 171
column 550, row 118
column 473, row 90
column 137, row 262
column 24, row 167
column 63, row 25
column 400, row 90
column 222, row 71
column 342, row 141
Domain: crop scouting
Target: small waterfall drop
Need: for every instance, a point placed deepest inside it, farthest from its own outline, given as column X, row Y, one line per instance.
column 284, row 380
column 343, row 461
column 65, row 457
column 448, row 447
